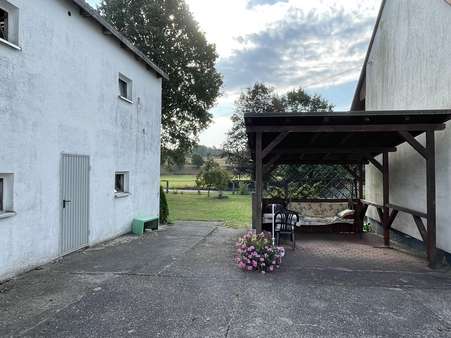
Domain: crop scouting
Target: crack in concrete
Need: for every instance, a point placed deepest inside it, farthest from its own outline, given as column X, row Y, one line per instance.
column 189, row 249
column 439, row 318
column 232, row 317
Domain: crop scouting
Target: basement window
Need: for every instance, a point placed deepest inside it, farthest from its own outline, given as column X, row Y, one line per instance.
column 121, row 184
column 6, row 195
column 125, row 88
column 9, row 24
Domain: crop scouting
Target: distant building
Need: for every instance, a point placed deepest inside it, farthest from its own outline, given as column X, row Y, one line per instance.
column 80, row 112
column 408, row 67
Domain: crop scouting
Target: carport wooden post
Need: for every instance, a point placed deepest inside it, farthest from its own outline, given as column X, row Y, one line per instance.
column 361, row 173
column 386, row 197
column 258, row 182
column 431, row 197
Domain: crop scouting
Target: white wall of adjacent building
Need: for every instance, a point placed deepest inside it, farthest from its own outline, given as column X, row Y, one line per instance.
column 410, row 68
column 59, row 94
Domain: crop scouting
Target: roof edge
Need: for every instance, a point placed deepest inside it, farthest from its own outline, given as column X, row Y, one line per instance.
column 88, row 11
column 354, row 113
column 362, row 77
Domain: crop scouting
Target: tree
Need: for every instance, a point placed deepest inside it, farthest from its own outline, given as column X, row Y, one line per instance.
column 260, row 99
column 197, row 160
column 213, row 176
column 166, row 32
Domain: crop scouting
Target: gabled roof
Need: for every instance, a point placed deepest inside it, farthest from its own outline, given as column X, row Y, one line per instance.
column 87, row 11
column 356, row 101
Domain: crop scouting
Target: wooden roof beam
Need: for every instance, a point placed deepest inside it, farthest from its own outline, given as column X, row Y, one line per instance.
column 371, row 128
column 323, row 150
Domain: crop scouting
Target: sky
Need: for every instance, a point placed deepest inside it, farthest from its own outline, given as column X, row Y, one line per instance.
column 319, row 45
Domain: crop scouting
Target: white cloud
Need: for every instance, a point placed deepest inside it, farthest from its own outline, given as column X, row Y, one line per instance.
column 317, row 44
column 216, row 134
column 225, row 21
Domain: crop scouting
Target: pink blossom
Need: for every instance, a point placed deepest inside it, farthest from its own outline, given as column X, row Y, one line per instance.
column 254, row 264
column 249, row 268
column 242, row 265
column 271, row 268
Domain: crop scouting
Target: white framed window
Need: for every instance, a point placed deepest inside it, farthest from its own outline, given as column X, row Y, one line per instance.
column 9, row 24
column 121, row 183
column 6, row 195
column 125, row 88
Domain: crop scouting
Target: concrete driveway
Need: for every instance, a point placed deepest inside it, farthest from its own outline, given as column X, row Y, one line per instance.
column 181, row 281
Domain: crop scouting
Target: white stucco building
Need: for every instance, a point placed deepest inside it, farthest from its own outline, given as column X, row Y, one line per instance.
column 80, row 112
column 408, row 68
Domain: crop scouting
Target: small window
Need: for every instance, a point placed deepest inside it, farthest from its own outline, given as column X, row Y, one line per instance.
column 121, row 183
column 1, row 195
column 9, row 24
column 125, row 88
column 6, row 193
column 3, row 24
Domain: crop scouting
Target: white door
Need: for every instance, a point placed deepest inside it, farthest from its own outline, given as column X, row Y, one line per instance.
column 74, row 203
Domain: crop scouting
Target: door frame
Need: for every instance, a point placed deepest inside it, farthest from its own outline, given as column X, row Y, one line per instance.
column 60, row 200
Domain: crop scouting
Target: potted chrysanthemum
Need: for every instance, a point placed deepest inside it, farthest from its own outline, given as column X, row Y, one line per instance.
column 256, row 253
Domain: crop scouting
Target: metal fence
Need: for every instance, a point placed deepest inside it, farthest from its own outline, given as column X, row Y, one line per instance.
column 311, row 182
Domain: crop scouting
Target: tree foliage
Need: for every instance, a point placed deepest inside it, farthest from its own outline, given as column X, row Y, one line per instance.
column 197, row 160
column 213, row 176
column 166, row 32
column 260, row 99
column 206, row 151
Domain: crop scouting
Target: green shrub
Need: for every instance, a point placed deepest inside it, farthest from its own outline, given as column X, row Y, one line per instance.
column 164, row 209
column 213, row 176
column 243, row 189
column 367, row 227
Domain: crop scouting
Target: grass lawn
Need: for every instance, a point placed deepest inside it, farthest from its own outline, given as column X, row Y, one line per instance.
column 182, row 181
column 234, row 211
column 179, row 181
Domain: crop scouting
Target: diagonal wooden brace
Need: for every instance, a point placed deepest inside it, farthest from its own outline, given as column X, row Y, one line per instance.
column 270, row 147
column 414, row 143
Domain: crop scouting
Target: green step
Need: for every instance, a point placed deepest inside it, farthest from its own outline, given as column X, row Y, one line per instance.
column 140, row 223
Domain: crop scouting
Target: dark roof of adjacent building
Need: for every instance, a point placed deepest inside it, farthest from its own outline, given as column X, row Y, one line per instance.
column 87, row 11
column 356, row 102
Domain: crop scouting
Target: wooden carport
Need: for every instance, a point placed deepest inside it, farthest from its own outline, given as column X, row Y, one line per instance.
column 349, row 138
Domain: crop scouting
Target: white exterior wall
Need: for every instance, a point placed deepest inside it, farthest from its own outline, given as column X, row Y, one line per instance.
column 60, row 95
column 410, row 68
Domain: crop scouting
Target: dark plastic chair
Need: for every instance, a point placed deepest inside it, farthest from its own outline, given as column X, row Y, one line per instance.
column 284, row 224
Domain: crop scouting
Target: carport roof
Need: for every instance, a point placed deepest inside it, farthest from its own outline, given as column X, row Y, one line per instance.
column 337, row 137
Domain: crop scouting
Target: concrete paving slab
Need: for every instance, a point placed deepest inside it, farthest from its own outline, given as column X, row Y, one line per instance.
column 182, row 282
